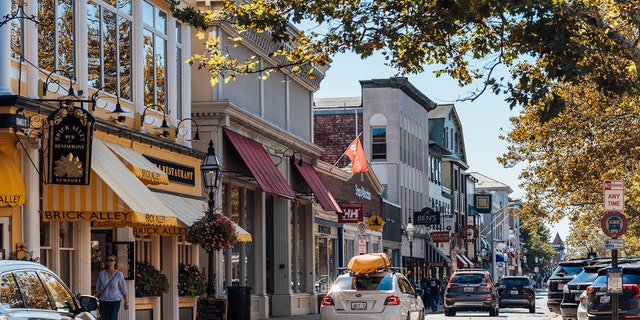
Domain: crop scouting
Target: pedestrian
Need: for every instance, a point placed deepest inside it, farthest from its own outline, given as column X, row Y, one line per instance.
column 111, row 290
column 425, row 292
column 434, row 292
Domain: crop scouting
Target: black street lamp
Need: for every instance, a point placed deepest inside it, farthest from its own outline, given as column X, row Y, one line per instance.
column 211, row 176
column 410, row 231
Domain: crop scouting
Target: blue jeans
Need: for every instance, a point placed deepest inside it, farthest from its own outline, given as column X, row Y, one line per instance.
column 109, row 310
column 434, row 301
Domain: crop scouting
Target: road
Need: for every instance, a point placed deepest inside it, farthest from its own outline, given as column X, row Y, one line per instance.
column 542, row 313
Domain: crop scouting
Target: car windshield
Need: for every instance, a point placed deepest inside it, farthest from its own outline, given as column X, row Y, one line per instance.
column 378, row 283
column 468, row 279
column 515, row 282
column 601, row 280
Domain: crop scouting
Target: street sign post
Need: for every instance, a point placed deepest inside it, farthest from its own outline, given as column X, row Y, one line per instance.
column 614, row 224
column 613, row 195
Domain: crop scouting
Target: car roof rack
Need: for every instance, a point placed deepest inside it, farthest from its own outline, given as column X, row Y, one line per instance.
column 343, row 270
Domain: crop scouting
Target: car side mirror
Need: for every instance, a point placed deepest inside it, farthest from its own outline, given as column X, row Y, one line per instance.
column 419, row 292
column 88, row 303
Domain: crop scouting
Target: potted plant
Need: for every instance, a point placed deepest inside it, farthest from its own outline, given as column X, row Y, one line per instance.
column 149, row 280
column 213, row 232
column 191, row 280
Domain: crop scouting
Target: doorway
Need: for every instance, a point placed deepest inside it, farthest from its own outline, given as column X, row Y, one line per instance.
column 101, row 247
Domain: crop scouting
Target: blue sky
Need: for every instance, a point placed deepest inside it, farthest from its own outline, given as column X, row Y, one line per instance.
column 483, row 120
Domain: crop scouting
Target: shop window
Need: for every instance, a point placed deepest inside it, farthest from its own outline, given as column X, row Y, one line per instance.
column 154, row 55
column 56, row 41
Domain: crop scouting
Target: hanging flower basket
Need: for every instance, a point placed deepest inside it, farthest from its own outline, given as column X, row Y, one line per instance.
column 213, row 232
column 150, row 281
column 191, row 280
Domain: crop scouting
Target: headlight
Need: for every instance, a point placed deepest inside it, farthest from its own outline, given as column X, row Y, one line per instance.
column 565, row 289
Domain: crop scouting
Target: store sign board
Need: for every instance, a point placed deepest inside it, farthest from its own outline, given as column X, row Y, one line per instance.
column 351, row 215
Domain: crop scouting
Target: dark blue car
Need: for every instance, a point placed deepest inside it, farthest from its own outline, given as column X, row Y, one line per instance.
column 599, row 302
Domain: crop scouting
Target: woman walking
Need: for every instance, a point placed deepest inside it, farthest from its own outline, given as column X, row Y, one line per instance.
column 111, row 290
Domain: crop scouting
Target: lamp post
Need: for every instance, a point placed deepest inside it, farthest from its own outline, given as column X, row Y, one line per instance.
column 410, row 231
column 211, row 176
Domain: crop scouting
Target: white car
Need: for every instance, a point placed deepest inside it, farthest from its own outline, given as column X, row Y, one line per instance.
column 382, row 294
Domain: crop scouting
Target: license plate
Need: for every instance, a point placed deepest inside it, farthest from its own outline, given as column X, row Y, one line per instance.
column 514, row 291
column 605, row 299
column 358, row 306
column 468, row 289
column 577, row 297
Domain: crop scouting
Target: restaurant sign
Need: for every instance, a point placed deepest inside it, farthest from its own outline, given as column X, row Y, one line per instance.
column 176, row 172
column 70, row 139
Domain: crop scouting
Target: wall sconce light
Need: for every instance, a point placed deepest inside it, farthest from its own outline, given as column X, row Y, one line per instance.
column 117, row 109
column 196, row 137
column 49, row 80
column 165, row 113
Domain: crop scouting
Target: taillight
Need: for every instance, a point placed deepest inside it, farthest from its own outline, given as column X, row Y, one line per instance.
column 633, row 287
column 327, row 301
column 392, row 301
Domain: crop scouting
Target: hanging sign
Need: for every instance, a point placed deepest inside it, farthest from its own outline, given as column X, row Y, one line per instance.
column 70, row 138
column 375, row 223
column 351, row 215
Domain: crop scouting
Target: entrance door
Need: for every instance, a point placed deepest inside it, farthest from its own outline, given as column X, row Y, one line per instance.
column 5, row 238
column 101, row 246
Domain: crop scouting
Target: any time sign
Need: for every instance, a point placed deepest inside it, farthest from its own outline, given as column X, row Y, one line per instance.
column 613, row 195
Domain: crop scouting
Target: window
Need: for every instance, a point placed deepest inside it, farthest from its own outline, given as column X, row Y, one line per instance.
column 35, row 296
column 17, row 36
column 56, row 41
column 59, row 294
column 378, row 143
column 11, row 297
column 155, row 55
column 109, row 46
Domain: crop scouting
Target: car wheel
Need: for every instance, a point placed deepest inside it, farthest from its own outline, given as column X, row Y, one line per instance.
column 449, row 313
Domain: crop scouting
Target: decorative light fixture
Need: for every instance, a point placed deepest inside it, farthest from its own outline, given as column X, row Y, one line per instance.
column 410, row 231
column 117, row 109
column 211, row 177
column 49, row 80
column 165, row 113
column 196, row 137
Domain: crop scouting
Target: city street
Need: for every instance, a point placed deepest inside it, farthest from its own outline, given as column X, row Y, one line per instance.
column 506, row 313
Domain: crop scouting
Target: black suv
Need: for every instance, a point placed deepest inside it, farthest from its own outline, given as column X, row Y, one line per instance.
column 572, row 290
column 471, row 290
column 564, row 272
column 598, row 302
column 517, row 291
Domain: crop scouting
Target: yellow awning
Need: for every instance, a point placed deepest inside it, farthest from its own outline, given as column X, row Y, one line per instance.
column 188, row 210
column 115, row 196
column 142, row 168
column 12, row 192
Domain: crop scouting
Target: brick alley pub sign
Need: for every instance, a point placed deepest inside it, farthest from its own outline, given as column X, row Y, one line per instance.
column 70, row 139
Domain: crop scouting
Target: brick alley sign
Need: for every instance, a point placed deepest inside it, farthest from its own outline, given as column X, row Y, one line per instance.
column 613, row 195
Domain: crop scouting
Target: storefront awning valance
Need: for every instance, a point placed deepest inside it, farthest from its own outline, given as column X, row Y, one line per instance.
column 12, row 191
column 142, row 168
column 259, row 163
column 115, row 197
column 323, row 195
column 436, row 257
column 463, row 261
column 188, row 210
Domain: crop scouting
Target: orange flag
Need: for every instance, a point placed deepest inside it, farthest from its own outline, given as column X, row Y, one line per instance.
column 355, row 152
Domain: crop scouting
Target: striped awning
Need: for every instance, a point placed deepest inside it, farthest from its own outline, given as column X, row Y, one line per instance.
column 115, row 197
column 436, row 257
column 12, row 191
column 187, row 210
column 142, row 168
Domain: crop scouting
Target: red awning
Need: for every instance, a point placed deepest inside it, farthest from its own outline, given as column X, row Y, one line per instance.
column 463, row 261
column 259, row 163
column 323, row 195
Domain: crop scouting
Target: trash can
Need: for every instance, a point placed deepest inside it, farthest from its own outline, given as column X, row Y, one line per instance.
column 239, row 299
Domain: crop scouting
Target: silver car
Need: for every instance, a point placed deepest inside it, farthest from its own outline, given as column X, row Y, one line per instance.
column 377, row 295
column 30, row 290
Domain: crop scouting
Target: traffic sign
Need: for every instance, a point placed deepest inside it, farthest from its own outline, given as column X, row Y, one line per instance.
column 614, row 244
column 613, row 195
column 614, row 224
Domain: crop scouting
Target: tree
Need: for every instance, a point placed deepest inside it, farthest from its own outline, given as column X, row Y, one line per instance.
column 536, row 238
column 541, row 42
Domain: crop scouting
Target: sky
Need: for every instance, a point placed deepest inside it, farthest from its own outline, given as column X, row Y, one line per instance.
column 483, row 120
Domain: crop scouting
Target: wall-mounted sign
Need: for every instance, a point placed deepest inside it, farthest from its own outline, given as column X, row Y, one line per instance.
column 482, row 203
column 176, row 172
column 362, row 193
column 426, row 217
column 375, row 223
column 469, row 233
column 440, row 236
column 70, row 139
column 351, row 215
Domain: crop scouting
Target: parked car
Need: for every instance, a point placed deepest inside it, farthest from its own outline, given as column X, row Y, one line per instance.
column 573, row 289
column 518, row 292
column 31, row 291
column 381, row 294
column 564, row 272
column 471, row 290
column 598, row 302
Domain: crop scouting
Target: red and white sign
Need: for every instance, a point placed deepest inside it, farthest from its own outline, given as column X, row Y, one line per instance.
column 614, row 224
column 351, row 215
column 613, row 195
column 440, row 236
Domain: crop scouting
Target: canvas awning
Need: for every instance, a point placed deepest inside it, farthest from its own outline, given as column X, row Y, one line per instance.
column 321, row 192
column 259, row 163
column 142, row 168
column 436, row 257
column 115, row 197
column 12, row 191
column 463, row 261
